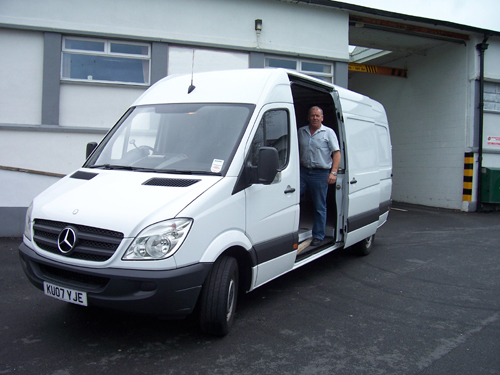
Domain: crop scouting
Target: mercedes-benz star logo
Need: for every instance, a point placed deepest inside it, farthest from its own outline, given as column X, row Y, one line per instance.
column 66, row 241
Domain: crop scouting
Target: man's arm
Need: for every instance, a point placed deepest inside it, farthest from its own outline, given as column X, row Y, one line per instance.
column 332, row 178
column 336, row 161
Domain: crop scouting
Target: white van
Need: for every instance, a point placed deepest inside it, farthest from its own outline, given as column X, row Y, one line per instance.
column 194, row 195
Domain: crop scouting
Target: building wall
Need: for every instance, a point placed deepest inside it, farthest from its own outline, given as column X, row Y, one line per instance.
column 21, row 55
column 492, row 57
column 46, row 121
column 201, row 22
column 25, row 152
column 90, row 106
column 55, row 151
column 13, row 205
column 491, row 130
column 168, row 24
column 427, row 116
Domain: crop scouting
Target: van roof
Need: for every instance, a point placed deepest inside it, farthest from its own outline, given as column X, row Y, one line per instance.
column 230, row 86
column 249, row 86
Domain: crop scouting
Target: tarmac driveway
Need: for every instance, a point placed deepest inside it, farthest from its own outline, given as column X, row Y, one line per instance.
column 426, row 301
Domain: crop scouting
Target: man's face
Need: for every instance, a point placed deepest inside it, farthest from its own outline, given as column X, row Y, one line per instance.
column 315, row 118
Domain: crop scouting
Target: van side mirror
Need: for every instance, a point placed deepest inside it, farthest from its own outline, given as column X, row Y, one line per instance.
column 264, row 173
column 268, row 165
column 90, row 148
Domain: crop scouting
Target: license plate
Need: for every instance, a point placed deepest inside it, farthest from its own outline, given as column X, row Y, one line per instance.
column 65, row 294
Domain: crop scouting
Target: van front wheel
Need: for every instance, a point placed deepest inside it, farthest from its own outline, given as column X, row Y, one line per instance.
column 364, row 247
column 218, row 297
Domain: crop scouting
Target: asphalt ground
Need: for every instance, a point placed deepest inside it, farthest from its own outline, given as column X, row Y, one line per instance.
column 426, row 301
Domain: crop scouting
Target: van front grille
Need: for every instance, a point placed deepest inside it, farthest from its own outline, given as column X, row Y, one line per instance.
column 92, row 244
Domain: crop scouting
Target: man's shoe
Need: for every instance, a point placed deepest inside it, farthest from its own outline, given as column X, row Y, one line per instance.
column 316, row 242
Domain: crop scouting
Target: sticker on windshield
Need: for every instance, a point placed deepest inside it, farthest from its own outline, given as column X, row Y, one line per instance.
column 217, row 165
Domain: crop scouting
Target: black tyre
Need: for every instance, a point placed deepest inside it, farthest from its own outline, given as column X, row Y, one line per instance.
column 364, row 247
column 218, row 297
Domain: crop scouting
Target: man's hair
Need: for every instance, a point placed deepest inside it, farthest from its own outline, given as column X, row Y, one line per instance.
column 315, row 108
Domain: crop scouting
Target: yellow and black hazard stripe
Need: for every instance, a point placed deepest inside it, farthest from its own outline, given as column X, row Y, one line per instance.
column 468, row 175
column 375, row 69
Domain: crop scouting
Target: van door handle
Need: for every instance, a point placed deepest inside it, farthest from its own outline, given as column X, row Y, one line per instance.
column 353, row 181
column 289, row 190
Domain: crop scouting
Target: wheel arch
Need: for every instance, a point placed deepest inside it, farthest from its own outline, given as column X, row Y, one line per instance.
column 245, row 262
column 236, row 244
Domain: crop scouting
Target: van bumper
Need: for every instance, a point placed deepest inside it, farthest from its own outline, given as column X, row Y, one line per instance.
column 167, row 294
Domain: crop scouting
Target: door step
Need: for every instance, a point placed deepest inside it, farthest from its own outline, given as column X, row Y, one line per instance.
column 304, row 245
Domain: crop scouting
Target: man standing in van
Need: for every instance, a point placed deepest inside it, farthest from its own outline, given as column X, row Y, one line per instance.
column 319, row 162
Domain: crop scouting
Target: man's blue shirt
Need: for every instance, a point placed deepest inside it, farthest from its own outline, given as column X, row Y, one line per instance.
column 316, row 150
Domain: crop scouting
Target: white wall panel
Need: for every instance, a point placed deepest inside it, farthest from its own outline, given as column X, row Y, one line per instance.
column 427, row 115
column 94, row 106
column 21, row 60
column 491, row 160
column 491, row 135
column 19, row 188
column 287, row 27
column 180, row 60
column 491, row 59
column 54, row 152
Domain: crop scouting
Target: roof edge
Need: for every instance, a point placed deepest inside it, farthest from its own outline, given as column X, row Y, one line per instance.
column 384, row 13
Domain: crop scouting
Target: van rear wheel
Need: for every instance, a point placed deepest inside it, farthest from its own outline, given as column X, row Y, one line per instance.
column 364, row 247
column 218, row 297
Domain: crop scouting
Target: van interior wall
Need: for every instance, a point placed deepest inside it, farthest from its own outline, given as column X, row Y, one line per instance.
column 427, row 119
column 304, row 98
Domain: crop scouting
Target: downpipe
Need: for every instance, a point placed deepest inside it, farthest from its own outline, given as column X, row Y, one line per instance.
column 481, row 47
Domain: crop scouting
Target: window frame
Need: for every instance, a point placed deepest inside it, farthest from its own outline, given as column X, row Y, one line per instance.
column 107, row 52
column 299, row 63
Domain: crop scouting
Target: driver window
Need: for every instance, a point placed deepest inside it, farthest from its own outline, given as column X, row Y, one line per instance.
column 273, row 131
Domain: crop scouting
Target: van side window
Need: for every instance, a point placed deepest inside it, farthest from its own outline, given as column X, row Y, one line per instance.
column 273, row 131
column 384, row 146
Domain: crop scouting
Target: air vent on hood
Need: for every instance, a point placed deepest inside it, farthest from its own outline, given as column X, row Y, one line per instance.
column 170, row 182
column 80, row 175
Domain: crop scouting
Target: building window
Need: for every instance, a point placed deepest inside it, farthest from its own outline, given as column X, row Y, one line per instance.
column 281, row 63
column 323, row 71
column 105, row 61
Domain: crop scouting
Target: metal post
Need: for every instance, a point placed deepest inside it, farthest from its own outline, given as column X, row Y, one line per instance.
column 481, row 47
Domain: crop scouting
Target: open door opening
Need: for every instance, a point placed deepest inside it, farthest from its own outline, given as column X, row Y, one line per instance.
column 306, row 96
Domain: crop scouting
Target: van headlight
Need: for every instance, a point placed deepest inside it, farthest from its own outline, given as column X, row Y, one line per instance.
column 159, row 241
column 27, row 222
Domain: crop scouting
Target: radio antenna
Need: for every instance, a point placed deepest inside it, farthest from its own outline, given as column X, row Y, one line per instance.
column 191, row 86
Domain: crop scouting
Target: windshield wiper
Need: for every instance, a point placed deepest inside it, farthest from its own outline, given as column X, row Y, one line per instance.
column 152, row 170
column 112, row 166
column 173, row 171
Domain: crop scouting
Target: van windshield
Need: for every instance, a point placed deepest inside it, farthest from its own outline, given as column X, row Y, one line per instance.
column 175, row 138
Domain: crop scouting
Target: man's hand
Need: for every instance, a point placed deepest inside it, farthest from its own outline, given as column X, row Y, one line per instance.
column 332, row 179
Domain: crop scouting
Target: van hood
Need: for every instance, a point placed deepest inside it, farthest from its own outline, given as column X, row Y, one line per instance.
column 123, row 201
